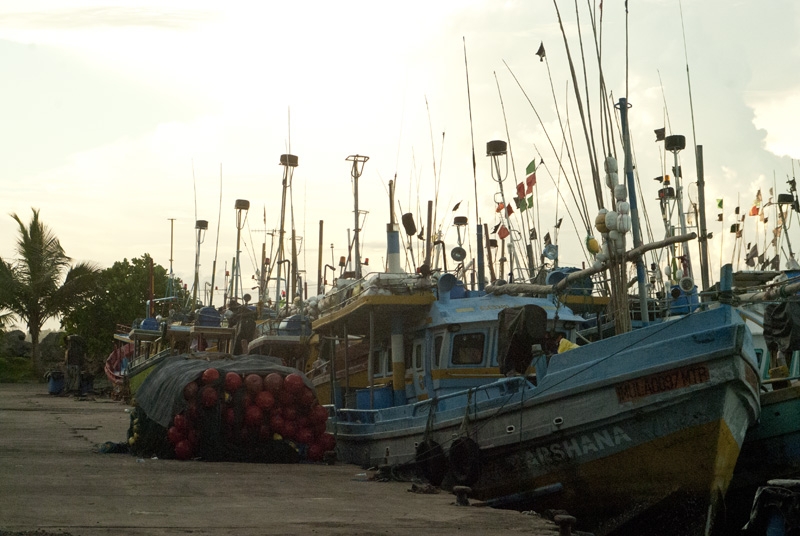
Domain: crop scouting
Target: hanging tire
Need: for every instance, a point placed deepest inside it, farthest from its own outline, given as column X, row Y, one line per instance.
column 464, row 458
column 431, row 462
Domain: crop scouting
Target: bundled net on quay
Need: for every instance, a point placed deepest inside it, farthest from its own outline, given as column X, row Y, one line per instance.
column 245, row 409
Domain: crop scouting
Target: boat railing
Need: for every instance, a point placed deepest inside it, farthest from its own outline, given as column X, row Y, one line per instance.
column 374, row 283
column 491, row 395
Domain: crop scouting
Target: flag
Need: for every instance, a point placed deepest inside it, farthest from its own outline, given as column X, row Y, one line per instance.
column 719, row 217
column 739, row 233
column 719, row 204
column 509, row 210
column 660, row 134
column 500, row 206
column 775, row 264
column 751, row 256
column 521, row 189
column 457, row 205
column 736, row 210
column 756, row 204
column 496, row 227
column 532, row 234
column 735, row 228
column 530, row 202
column 520, row 202
column 559, row 223
column 503, row 232
column 546, row 239
column 530, row 179
column 540, row 52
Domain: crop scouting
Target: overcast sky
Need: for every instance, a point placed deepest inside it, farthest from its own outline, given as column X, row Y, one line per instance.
column 117, row 116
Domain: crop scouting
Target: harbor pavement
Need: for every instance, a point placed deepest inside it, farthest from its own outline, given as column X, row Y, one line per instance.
column 53, row 481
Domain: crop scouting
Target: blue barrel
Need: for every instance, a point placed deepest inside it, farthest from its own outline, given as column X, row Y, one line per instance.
column 581, row 287
column 209, row 317
column 294, row 325
column 55, row 382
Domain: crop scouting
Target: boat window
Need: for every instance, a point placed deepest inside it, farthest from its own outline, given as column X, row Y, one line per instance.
column 468, row 348
column 437, row 350
column 376, row 363
column 418, row 355
column 389, row 361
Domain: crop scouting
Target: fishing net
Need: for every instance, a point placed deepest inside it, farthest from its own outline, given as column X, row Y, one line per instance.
column 242, row 409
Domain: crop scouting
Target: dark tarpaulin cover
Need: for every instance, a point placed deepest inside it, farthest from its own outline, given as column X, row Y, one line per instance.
column 519, row 328
column 161, row 393
column 782, row 327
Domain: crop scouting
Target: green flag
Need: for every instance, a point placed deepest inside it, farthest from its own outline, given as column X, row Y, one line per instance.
column 530, row 202
column 719, row 204
column 531, row 167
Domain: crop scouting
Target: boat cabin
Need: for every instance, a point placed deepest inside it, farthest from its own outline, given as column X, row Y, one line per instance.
column 383, row 350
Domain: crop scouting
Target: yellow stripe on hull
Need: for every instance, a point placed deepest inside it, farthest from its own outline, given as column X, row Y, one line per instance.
column 695, row 464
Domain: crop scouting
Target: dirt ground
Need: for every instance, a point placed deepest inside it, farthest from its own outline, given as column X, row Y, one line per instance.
column 53, row 482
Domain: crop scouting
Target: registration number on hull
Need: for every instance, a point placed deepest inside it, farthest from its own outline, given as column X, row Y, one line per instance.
column 662, row 382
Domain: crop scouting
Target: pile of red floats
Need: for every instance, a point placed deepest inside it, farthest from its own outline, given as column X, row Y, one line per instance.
column 249, row 414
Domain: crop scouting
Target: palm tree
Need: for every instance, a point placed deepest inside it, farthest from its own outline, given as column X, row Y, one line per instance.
column 40, row 283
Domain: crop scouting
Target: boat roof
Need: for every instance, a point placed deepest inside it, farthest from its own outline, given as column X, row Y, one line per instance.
column 486, row 308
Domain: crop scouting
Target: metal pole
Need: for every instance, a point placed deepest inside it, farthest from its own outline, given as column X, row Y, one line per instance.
column 637, row 234
column 701, row 198
column 356, row 173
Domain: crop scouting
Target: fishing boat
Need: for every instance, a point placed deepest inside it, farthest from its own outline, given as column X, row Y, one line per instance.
column 771, row 448
column 467, row 386
column 620, row 425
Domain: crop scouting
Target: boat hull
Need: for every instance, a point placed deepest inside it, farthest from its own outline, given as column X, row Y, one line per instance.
column 665, row 418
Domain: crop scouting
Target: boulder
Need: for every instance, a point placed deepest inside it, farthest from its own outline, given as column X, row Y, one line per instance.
column 13, row 344
column 51, row 348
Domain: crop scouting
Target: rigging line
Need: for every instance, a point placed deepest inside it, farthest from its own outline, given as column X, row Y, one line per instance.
column 433, row 158
column 688, row 79
column 664, row 99
column 251, row 252
column 541, row 123
column 570, row 142
column 216, row 248
column 514, row 169
column 592, row 148
column 592, row 162
column 605, row 130
column 471, row 135
column 558, row 191
column 580, row 200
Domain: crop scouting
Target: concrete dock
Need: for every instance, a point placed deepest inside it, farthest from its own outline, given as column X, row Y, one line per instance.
column 52, row 480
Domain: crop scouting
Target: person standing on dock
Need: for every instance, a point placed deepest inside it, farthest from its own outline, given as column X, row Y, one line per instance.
column 73, row 360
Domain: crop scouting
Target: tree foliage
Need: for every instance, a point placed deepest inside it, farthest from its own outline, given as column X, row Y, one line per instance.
column 40, row 283
column 121, row 299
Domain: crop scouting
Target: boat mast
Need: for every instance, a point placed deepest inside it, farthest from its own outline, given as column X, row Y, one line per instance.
column 241, row 206
column 200, row 226
column 356, row 171
column 494, row 150
column 675, row 144
column 703, row 234
column 171, row 282
column 289, row 162
column 637, row 233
